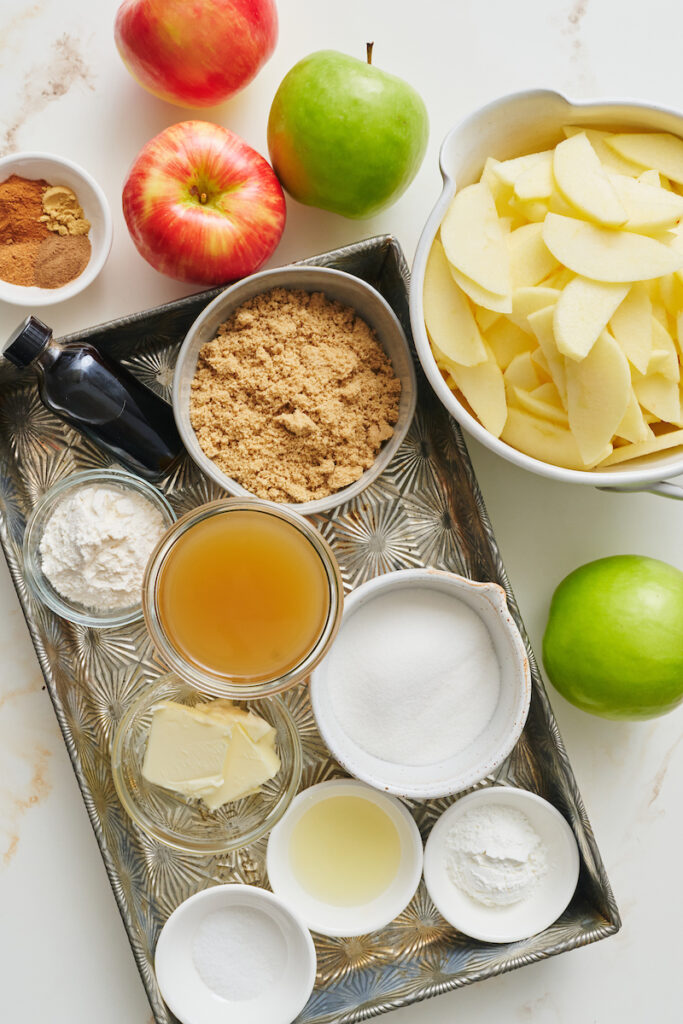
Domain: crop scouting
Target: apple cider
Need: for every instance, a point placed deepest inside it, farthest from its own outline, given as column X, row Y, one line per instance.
column 244, row 595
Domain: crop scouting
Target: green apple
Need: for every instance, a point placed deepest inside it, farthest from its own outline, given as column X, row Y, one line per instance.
column 614, row 640
column 345, row 136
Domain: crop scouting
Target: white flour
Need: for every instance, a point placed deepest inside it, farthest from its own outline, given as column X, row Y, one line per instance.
column 414, row 678
column 495, row 855
column 96, row 543
column 239, row 953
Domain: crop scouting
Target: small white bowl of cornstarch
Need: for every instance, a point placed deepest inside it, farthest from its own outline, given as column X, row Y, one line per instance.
column 87, row 543
column 296, row 386
column 426, row 689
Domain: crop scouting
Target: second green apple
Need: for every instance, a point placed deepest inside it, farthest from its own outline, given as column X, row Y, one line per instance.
column 344, row 135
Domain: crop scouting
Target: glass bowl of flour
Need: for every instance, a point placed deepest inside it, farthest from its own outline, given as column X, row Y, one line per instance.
column 87, row 543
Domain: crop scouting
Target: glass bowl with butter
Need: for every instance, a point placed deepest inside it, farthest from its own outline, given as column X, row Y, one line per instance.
column 205, row 775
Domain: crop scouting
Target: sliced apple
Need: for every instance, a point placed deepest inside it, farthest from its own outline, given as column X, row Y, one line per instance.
column 560, row 279
column 670, row 290
column 660, row 443
column 536, row 182
column 448, row 317
column 474, row 240
column 510, row 170
column 479, row 295
column 598, row 392
column 631, row 325
column 658, row 395
column 584, row 183
column 583, row 310
column 484, row 389
column 501, row 192
column 530, row 401
column 543, row 440
column 521, row 372
column 633, row 426
column 507, row 340
column 541, row 324
column 549, row 394
column 607, row 255
column 485, row 317
column 541, row 366
column 660, row 150
column 664, row 357
column 607, row 157
column 530, row 300
column 649, row 208
column 530, row 259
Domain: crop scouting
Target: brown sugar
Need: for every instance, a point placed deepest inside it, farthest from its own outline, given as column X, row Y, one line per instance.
column 294, row 396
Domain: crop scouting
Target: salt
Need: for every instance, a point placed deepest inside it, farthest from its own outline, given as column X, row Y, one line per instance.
column 414, row 677
column 239, row 953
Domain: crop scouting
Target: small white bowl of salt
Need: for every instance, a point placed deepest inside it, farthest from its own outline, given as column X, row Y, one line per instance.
column 235, row 953
column 426, row 689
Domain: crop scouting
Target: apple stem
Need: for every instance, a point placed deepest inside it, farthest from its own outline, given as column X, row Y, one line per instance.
column 201, row 196
column 368, row 49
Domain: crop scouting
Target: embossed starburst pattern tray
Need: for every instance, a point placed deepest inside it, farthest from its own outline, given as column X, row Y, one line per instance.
column 426, row 509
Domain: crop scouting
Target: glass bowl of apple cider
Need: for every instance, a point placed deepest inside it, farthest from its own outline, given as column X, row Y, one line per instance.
column 242, row 598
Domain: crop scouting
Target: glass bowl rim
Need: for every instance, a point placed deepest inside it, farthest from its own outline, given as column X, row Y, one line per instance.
column 214, row 683
column 48, row 501
column 144, row 701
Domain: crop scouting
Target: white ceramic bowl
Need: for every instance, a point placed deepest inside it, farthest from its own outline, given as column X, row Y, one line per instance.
column 347, row 921
column 490, row 748
column 526, row 122
column 57, row 170
column 188, row 995
column 517, row 920
column 338, row 286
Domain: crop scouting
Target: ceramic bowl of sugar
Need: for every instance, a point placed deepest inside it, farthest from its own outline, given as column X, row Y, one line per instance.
column 427, row 687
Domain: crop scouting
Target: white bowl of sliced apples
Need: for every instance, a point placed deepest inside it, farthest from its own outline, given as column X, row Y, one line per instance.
column 547, row 290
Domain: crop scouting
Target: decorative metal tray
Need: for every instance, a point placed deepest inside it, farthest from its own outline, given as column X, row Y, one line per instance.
column 426, row 509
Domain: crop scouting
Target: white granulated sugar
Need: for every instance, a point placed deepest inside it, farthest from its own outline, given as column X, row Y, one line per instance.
column 239, row 953
column 495, row 855
column 414, row 677
column 96, row 544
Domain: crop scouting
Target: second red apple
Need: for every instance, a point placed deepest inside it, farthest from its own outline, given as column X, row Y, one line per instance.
column 201, row 205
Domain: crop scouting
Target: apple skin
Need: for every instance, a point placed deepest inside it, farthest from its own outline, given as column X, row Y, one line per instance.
column 344, row 135
column 226, row 236
column 613, row 644
column 195, row 53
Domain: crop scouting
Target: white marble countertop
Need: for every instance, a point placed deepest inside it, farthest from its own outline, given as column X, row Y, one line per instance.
column 65, row 956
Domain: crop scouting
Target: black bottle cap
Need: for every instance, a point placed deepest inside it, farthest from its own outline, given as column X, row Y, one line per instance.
column 27, row 341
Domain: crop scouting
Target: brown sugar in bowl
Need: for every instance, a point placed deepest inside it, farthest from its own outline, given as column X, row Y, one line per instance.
column 337, row 286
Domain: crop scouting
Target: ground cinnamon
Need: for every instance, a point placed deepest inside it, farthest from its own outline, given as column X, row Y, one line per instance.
column 41, row 244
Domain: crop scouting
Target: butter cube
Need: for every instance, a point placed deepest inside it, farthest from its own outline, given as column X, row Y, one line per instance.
column 186, row 750
column 247, row 766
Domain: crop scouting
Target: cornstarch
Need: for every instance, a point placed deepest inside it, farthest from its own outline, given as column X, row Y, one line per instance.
column 239, row 953
column 96, row 544
column 495, row 855
column 414, row 677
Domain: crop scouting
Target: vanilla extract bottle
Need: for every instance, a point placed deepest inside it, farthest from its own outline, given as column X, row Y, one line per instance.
column 99, row 397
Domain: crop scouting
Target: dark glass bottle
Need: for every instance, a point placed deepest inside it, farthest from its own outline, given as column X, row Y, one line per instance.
column 99, row 397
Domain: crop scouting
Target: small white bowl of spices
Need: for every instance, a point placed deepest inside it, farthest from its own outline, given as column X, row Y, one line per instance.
column 87, row 543
column 296, row 386
column 55, row 229
column 426, row 689
column 501, row 864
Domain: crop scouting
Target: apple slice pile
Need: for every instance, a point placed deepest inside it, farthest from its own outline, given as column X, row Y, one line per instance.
column 553, row 298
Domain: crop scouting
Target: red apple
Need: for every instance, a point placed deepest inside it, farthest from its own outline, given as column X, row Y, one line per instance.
column 195, row 52
column 203, row 206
